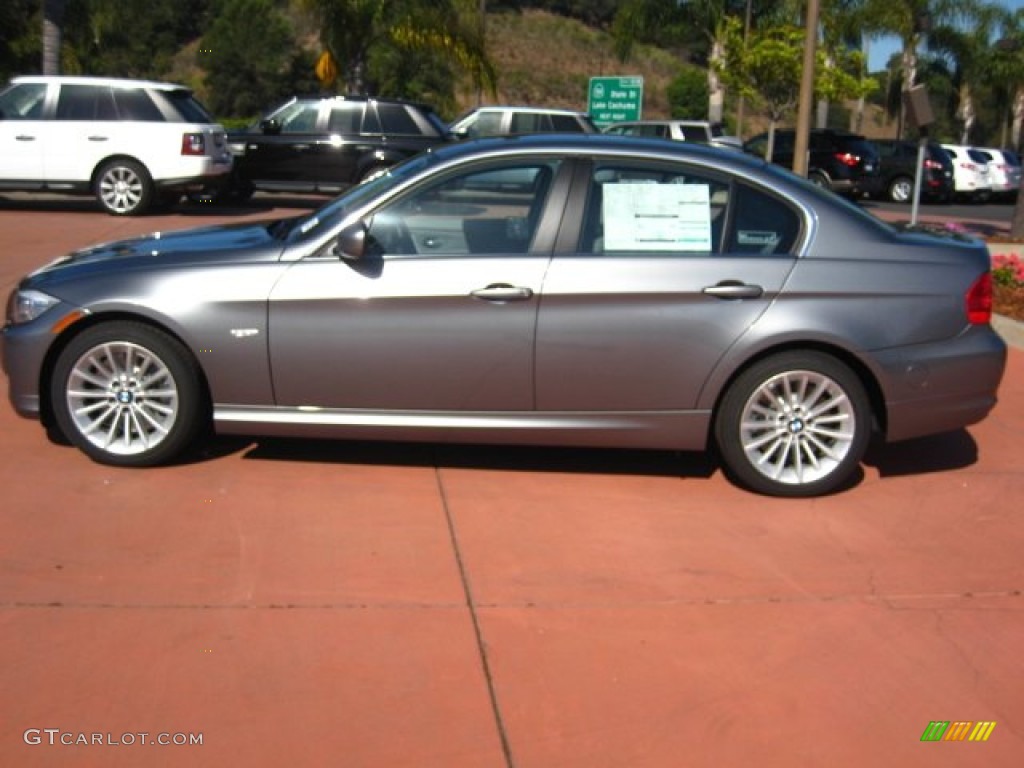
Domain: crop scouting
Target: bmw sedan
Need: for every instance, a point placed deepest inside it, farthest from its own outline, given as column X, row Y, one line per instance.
column 546, row 290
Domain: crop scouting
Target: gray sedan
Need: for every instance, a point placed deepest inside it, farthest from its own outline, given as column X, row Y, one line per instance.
column 547, row 290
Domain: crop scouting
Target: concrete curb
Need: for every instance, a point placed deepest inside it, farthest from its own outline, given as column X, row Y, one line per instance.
column 1011, row 330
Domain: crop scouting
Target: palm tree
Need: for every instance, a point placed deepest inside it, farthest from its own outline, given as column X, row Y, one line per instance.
column 53, row 20
column 349, row 29
column 638, row 20
column 969, row 52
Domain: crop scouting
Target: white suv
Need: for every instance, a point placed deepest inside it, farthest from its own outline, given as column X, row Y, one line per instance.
column 131, row 143
column 970, row 173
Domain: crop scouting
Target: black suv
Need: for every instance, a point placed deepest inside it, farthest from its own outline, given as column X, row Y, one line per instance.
column 844, row 162
column 326, row 144
column 898, row 166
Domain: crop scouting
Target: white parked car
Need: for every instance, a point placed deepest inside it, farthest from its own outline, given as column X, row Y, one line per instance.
column 131, row 143
column 1003, row 171
column 699, row 131
column 970, row 173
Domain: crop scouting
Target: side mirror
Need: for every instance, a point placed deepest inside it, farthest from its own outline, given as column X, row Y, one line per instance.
column 351, row 243
column 270, row 127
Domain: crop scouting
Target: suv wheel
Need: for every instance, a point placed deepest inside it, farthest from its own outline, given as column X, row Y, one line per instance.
column 124, row 188
column 901, row 189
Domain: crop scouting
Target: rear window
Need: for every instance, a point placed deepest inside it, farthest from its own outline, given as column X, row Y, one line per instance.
column 860, row 147
column 1011, row 157
column 185, row 105
column 135, row 104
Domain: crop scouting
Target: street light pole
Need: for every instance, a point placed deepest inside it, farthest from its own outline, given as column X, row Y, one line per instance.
column 803, row 120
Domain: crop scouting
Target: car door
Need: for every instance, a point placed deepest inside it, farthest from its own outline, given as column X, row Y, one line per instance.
column 282, row 151
column 23, row 131
column 86, row 129
column 672, row 267
column 440, row 314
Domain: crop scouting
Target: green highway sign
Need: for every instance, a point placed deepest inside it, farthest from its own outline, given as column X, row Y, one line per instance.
column 615, row 99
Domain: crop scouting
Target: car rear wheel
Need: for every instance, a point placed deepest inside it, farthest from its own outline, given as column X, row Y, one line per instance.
column 901, row 190
column 127, row 394
column 796, row 424
column 124, row 188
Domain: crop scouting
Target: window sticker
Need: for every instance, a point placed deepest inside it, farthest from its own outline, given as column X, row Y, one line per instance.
column 657, row 217
column 757, row 237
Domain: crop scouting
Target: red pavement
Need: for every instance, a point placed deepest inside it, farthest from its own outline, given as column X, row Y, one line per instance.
column 302, row 603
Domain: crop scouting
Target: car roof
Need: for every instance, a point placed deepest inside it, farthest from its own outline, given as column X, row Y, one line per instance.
column 537, row 110
column 114, row 82
column 355, row 97
column 589, row 143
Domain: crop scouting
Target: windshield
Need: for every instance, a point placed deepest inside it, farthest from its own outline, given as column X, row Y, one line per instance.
column 333, row 212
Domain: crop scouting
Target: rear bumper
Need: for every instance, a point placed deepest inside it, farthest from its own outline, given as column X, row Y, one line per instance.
column 966, row 371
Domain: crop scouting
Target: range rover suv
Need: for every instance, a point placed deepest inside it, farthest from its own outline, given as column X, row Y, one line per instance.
column 326, row 144
column 131, row 143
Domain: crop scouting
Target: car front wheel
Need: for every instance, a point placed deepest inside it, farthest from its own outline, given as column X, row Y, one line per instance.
column 123, row 188
column 127, row 394
column 796, row 424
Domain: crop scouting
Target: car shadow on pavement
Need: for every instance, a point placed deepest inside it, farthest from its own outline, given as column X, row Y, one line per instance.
column 511, row 458
column 938, row 453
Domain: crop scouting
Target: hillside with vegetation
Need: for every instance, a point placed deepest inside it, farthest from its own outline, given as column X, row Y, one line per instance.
column 243, row 56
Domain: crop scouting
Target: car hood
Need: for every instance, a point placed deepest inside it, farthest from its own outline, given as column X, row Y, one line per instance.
column 251, row 241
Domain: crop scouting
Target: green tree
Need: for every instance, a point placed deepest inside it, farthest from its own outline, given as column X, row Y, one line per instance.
column 129, row 38
column 768, row 70
column 688, row 94
column 246, row 54
column 20, row 41
column 351, row 29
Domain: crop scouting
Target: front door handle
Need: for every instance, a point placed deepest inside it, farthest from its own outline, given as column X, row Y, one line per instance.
column 734, row 289
column 501, row 292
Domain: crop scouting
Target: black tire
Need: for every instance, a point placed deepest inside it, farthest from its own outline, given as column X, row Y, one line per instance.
column 128, row 395
column 794, row 425
column 901, row 190
column 819, row 180
column 124, row 188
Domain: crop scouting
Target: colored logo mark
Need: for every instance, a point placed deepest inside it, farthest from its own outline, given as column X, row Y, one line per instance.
column 960, row 730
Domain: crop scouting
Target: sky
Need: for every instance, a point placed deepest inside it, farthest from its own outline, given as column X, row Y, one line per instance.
column 882, row 49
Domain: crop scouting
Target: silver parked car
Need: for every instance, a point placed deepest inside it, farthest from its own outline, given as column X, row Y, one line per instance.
column 615, row 292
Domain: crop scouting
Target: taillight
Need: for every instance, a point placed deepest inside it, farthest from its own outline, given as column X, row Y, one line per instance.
column 978, row 301
column 932, row 165
column 193, row 144
column 847, row 159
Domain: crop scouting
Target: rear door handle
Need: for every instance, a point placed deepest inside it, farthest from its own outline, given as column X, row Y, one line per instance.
column 99, row 138
column 500, row 292
column 23, row 137
column 734, row 289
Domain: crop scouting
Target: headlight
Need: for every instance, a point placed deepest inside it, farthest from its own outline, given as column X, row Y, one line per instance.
column 25, row 306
